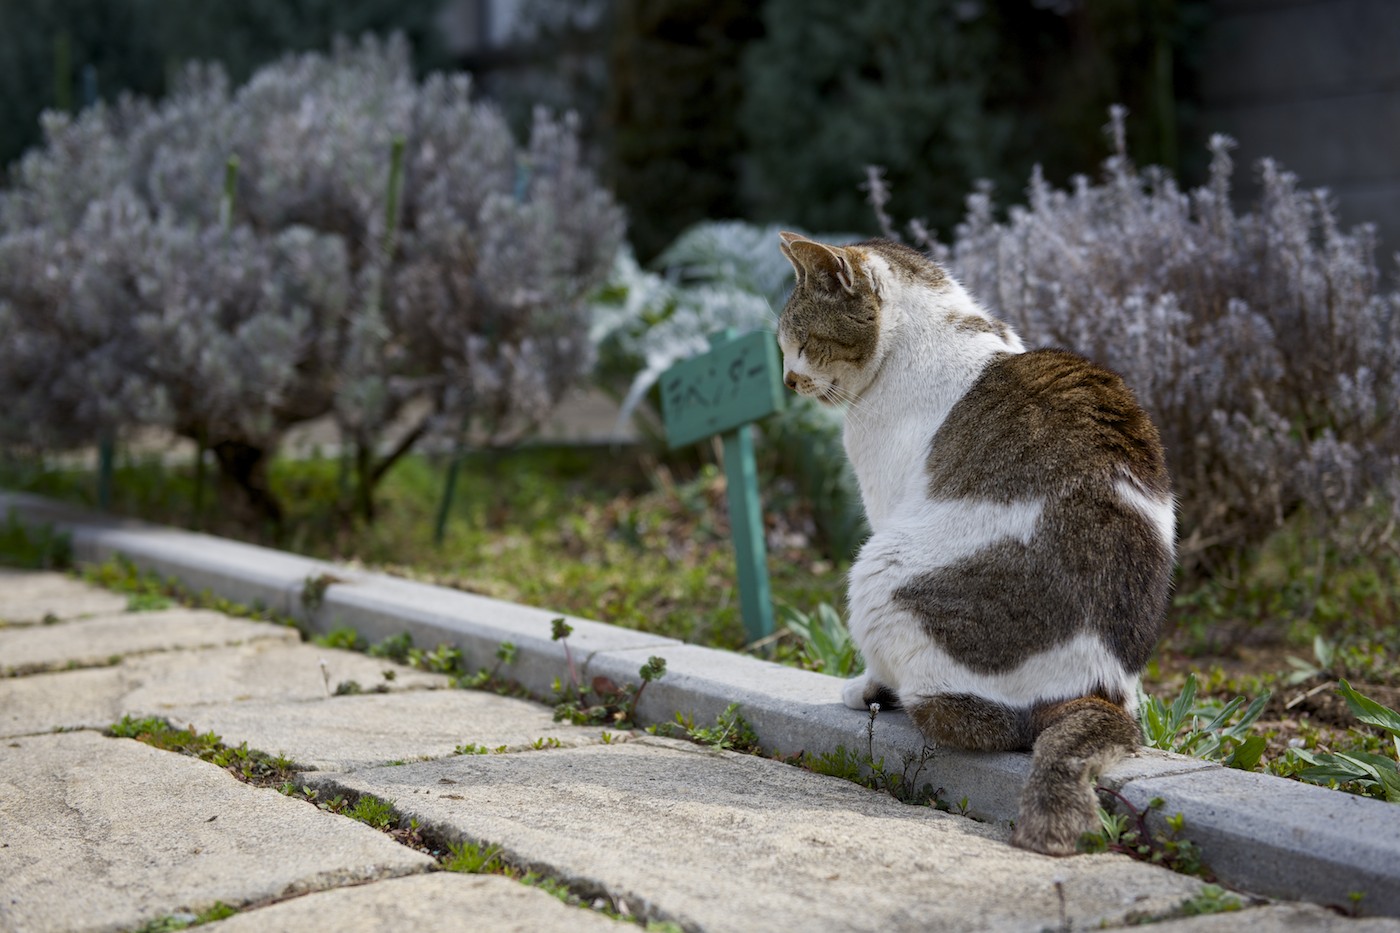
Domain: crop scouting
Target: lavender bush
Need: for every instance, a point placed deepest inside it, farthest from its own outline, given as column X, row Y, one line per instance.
column 139, row 287
column 1263, row 342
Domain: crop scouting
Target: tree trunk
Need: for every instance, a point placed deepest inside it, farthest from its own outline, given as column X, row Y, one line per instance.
column 245, row 466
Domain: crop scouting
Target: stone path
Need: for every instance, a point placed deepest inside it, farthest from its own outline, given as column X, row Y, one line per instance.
column 104, row 833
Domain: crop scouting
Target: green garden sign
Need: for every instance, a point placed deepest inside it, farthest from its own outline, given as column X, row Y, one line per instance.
column 721, row 392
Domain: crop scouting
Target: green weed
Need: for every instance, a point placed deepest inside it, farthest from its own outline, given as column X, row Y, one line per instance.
column 603, row 701
column 249, row 765
column 372, row 811
column 149, row 590
column 730, row 731
column 343, row 637
column 472, row 858
column 1129, row 834
column 826, row 642
column 34, row 546
column 183, row 921
column 1373, row 773
column 864, row 768
column 1204, row 730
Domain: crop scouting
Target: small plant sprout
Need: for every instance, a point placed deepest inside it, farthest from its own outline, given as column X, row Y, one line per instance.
column 505, row 655
column 473, row 858
column 612, row 703
column 325, row 674
column 560, row 632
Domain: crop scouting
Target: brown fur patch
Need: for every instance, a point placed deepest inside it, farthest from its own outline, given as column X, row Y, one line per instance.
column 910, row 265
column 961, row 720
column 974, row 324
column 1095, row 564
column 1039, row 421
column 1048, row 425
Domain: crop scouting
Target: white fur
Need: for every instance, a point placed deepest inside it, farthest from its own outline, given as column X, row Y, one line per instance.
column 1161, row 513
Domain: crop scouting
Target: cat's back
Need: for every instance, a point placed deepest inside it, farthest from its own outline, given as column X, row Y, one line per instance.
column 1063, row 475
column 1045, row 422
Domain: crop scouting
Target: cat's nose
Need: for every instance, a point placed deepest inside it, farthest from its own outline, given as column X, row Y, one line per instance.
column 791, row 380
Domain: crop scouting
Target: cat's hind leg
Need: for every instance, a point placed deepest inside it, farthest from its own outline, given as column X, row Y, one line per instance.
column 962, row 720
column 1075, row 741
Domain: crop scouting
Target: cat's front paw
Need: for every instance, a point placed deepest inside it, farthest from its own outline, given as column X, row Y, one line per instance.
column 853, row 693
column 860, row 692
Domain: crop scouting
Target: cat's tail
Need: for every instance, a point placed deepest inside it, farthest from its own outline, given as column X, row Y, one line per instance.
column 1075, row 741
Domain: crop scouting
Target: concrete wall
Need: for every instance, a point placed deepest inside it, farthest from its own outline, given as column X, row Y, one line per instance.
column 1315, row 84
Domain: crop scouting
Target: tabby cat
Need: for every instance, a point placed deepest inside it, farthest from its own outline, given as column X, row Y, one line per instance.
column 1021, row 516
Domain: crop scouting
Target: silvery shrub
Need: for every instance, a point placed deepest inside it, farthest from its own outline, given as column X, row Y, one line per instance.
column 144, row 281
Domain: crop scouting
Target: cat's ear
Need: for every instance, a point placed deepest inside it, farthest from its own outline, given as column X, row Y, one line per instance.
column 828, row 266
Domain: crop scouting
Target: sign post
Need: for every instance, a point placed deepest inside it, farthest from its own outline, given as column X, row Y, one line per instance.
column 721, row 392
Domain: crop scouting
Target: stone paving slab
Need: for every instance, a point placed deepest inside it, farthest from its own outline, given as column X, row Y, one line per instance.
column 28, row 596
column 721, row 841
column 440, row 901
column 109, row 834
column 353, row 732
column 1279, row 918
column 98, row 641
column 154, row 684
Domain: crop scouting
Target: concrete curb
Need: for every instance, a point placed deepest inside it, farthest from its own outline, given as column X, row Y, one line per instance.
column 1258, row 833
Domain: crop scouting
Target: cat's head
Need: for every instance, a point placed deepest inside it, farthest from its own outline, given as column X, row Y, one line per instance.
column 830, row 328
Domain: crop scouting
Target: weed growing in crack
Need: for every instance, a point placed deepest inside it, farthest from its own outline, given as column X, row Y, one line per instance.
column 313, row 591
column 487, row 679
column 604, row 701
column 903, row 785
column 372, row 811
column 471, row 749
column 473, row 858
column 1129, row 834
column 185, row 920
column 248, row 765
column 731, row 731
column 343, row 637
column 121, row 575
